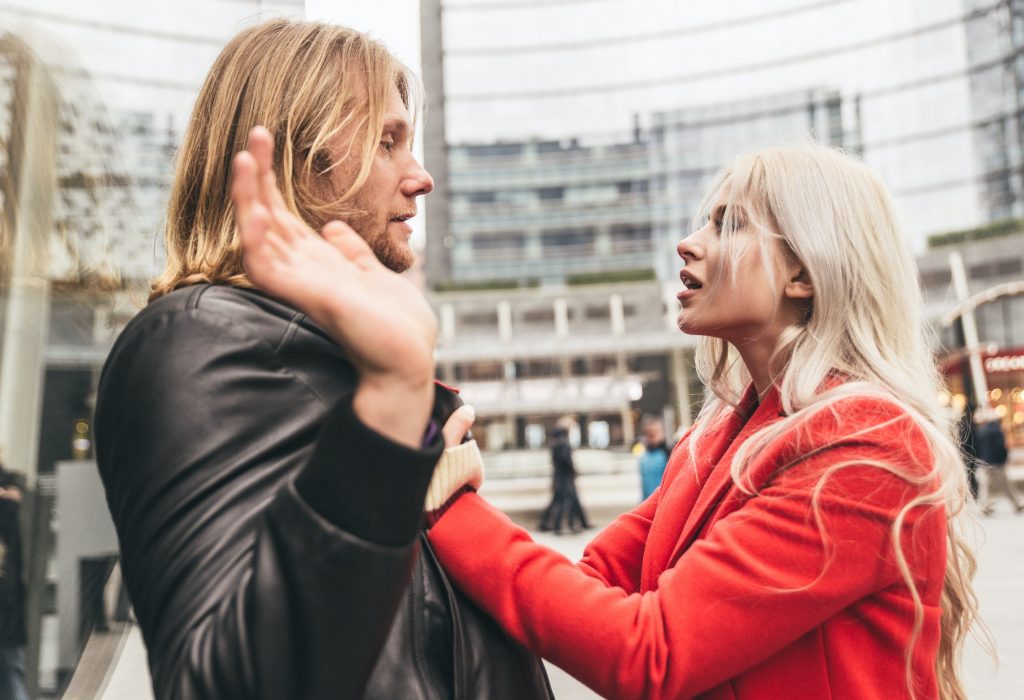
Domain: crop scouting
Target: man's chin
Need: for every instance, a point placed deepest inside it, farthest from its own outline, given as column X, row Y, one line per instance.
column 397, row 256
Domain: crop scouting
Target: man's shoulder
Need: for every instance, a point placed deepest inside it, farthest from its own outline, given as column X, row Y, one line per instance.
column 232, row 302
column 236, row 310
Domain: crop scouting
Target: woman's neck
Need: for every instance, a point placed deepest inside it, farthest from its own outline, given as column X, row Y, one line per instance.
column 758, row 361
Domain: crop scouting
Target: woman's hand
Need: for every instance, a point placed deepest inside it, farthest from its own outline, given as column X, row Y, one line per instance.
column 457, row 425
column 380, row 319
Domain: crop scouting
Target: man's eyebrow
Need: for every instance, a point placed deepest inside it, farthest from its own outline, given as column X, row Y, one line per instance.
column 396, row 124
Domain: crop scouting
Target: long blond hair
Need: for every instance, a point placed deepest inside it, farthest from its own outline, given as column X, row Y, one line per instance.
column 865, row 323
column 306, row 82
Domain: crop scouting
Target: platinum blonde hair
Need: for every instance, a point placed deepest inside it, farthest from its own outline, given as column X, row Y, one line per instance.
column 865, row 323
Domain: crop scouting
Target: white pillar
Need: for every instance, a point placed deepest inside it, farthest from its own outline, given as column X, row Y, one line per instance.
column 618, row 317
column 561, row 319
column 504, row 321
column 681, row 378
column 980, row 381
column 23, row 353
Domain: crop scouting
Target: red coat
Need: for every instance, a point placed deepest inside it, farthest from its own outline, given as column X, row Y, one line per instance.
column 706, row 591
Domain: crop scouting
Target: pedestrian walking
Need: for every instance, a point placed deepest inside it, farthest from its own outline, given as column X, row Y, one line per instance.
column 565, row 501
column 991, row 453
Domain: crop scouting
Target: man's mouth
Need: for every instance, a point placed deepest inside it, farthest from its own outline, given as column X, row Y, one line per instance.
column 402, row 218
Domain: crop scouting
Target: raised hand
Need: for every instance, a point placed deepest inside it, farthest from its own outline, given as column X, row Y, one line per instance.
column 382, row 321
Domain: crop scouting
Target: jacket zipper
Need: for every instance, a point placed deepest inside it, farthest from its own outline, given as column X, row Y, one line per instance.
column 459, row 680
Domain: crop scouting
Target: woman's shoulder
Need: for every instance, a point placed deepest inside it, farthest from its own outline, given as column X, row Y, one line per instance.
column 862, row 421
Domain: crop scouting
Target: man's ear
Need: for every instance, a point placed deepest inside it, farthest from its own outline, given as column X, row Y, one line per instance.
column 799, row 285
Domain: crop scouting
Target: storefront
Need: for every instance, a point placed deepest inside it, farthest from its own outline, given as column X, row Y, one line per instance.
column 1004, row 371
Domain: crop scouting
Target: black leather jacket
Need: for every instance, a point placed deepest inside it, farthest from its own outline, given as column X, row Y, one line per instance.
column 269, row 540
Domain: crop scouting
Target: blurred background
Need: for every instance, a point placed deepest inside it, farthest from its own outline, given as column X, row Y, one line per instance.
column 570, row 141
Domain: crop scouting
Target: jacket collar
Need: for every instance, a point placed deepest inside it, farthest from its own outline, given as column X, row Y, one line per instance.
column 722, row 441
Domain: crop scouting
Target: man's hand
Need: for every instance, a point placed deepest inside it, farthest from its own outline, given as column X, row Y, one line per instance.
column 382, row 321
column 11, row 493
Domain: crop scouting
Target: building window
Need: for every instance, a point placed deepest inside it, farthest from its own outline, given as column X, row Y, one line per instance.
column 480, row 197
column 477, row 319
column 551, row 194
column 539, row 316
column 996, row 268
column 569, row 241
column 499, row 246
column 486, row 150
column 935, row 279
column 631, row 238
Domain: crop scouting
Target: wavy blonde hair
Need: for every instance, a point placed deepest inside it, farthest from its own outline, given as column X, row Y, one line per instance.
column 307, row 82
column 865, row 323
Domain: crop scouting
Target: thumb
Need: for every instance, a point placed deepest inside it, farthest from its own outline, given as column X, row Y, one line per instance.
column 458, row 425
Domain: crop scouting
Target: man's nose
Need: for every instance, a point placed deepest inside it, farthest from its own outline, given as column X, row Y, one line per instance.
column 417, row 181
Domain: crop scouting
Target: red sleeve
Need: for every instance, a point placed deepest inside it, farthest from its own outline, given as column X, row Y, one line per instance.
column 614, row 557
column 730, row 601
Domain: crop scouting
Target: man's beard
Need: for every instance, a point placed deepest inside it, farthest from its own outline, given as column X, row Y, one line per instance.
column 374, row 230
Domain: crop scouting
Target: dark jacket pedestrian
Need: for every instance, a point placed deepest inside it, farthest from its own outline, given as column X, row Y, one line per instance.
column 991, row 452
column 565, row 502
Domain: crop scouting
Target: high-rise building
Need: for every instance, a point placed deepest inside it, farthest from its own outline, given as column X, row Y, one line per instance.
column 578, row 138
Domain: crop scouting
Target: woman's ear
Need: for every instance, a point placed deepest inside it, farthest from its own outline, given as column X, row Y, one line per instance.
column 799, row 285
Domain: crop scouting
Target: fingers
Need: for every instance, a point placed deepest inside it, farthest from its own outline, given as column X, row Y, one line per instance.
column 261, row 145
column 350, row 243
column 457, row 425
column 244, row 189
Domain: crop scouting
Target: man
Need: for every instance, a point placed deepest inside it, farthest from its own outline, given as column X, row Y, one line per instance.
column 655, row 455
column 565, row 501
column 267, row 469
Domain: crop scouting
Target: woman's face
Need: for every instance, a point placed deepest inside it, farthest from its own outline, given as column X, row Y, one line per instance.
column 741, row 301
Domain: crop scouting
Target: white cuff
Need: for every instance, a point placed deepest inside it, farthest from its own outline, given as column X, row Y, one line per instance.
column 458, row 466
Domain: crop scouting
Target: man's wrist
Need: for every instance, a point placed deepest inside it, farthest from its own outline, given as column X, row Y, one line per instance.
column 398, row 409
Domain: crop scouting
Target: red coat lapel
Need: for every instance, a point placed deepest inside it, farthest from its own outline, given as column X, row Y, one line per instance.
column 718, row 484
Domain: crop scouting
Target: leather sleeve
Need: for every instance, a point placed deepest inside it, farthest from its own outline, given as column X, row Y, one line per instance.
column 243, row 587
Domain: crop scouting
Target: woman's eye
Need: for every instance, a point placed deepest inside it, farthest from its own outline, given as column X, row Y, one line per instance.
column 387, row 145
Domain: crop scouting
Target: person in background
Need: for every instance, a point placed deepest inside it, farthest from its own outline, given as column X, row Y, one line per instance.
column 991, row 453
column 565, row 501
column 12, row 590
column 655, row 454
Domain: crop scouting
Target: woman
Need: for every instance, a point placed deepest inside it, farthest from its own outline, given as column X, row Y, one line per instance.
column 804, row 541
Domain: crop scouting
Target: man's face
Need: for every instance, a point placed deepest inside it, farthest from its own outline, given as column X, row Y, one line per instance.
column 388, row 197
column 654, row 434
